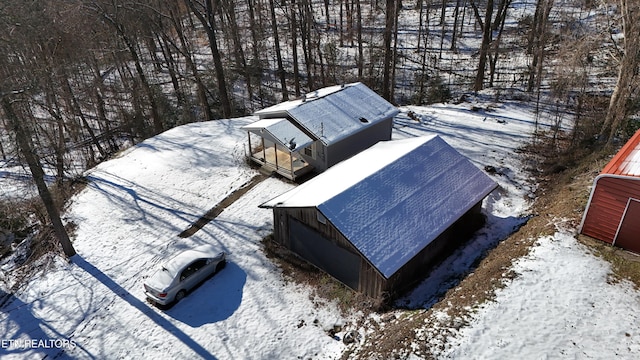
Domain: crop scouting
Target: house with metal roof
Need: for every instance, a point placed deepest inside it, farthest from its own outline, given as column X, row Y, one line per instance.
column 319, row 130
column 379, row 220
column 613, row 209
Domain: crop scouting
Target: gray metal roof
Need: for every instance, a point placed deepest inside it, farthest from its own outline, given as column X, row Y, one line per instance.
column 282, row 131
column 335, row 112
column 410, row 192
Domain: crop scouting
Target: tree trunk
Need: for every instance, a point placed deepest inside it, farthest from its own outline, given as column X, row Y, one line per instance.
column 498, row 24
column 443, row 25
column 628, row 84
column 537, row 42
column 484, row 48
column 394, row 66
column 341, row 21
column 155, row 117
column 229, row 8
column 186, row 52
column 308, row 23
column 420, row 22
column 78, row 112
column 294, row 49
column 23, row 140
column 360, row 45
column 281, row 73
column 388, row 58
column 208, row 22
column 454, row 34
column 256, row 67
column 173, row 70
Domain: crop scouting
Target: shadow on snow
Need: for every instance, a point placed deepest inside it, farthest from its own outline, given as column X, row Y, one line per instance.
column 463, row 261
column 142, row 307
column 24, row 334
column 216, row 299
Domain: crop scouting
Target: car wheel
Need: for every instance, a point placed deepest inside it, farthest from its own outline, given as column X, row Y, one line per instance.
column 180, row 295
column 221, row 265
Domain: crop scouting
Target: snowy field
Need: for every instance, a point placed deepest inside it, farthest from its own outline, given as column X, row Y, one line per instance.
column 129, row 216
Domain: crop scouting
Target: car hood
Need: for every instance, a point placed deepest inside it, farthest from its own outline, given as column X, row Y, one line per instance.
column 160, row 280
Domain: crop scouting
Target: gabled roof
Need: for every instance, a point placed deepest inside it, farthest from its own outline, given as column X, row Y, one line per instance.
column 627, row 160
column 281, row 131
column 395, row 198
column 335, row 112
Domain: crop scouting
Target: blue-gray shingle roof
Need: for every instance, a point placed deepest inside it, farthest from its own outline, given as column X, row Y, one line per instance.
column 332, row 113
column 410, row 193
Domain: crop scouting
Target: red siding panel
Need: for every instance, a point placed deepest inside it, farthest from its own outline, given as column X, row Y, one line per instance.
column 629, row 234
column 608, row 201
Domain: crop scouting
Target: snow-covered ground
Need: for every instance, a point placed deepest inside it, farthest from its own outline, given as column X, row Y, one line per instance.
column 134, row 206
column 562, row 305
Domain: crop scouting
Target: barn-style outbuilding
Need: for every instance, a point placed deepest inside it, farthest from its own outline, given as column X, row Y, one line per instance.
column 378, row 221
column 613, row 210
column 319, row 130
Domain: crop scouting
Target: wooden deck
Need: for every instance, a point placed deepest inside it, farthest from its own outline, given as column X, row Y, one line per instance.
column 282, row 162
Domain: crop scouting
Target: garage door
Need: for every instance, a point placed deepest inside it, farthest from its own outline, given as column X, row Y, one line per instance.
column 629, row 233
column 326, row 255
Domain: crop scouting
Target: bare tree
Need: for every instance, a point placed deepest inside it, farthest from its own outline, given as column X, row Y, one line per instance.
column 293, row 24
column 205, row 14
column 24, row 44
column 488, row 25
column 281, row 73
column 360, row 61
column 389, row 29
column 306, row 24
column 537, row 42
column 628, row 84
column 23, row 140
column 183, row 46
column 125, row 26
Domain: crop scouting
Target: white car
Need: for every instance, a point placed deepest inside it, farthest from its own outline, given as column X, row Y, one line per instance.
column 182, row 273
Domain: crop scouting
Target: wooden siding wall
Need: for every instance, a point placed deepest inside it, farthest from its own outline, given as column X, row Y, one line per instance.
column 371, row 282
column 417, row 269
column 609, row 199
column 309, row 217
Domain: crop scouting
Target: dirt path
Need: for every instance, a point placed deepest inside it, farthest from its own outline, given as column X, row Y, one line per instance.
column 216, row 210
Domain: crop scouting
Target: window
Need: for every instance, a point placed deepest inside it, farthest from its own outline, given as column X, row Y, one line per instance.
column 192, row 268
column 310, row 150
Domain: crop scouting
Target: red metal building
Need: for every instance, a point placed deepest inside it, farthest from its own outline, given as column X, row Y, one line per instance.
column 613, row 211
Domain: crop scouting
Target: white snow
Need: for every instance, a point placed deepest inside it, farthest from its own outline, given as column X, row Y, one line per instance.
column 561, row 306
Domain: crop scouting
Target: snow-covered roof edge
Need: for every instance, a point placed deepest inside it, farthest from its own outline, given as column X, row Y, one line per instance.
column 346, row 174
column 281, row 131
column 421, row 195
column 284, row 106
column 627, row 159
